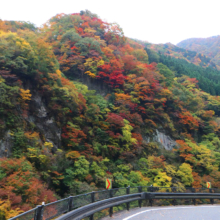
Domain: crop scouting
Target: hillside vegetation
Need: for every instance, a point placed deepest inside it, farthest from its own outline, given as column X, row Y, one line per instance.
column 207, row 46
column 80, row 103
column 178, row 52
column 186, row 62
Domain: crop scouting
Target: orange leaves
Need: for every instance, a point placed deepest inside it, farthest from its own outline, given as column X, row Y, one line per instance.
column 127, row 49
column 197, row 183
column 186, row 118
column 207, row 114
column 122, row 96
column 116, row 64
column 73, row 155
column 32, row 135
column 108, row 52
column 22, row 181
column 156, row 162
column 185, row 150
column 150, row 123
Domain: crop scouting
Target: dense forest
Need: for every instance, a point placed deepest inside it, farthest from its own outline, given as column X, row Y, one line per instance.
column 80, row 102
column 186, row 62
column 207, row 46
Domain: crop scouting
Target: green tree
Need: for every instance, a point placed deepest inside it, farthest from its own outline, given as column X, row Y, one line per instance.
column 185, row 174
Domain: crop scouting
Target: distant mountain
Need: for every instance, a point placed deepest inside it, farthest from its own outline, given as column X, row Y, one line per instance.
column 208, row 46
column 191, row 56
column 186, row 62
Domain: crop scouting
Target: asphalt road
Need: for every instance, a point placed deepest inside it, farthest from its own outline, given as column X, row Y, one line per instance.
column 201, row 212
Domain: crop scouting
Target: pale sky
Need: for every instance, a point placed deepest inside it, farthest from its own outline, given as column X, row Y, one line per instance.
column 156, row 21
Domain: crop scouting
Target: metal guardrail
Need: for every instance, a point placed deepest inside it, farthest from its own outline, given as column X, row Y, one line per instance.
column 60, row 207
column 90, row 209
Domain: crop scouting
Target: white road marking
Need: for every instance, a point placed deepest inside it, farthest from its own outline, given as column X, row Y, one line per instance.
column 129, row 217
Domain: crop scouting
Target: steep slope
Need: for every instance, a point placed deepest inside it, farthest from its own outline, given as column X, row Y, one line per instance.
column 73, row 138
column 207, row 46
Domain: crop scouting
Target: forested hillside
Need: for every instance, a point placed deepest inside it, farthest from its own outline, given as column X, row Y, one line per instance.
column 207, row 46
column 187, row 54
column 80, row 102
column 208, row 78
column 186, row 62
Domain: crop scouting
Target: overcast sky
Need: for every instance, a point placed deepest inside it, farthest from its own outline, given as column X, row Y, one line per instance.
column 156, row 21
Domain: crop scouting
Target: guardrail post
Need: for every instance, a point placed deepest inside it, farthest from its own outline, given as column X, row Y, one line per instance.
column 93, row 200
column 70, row 203
column 128, row 192
column 194, row 200
column 149, row 197
column 174, row 191
column 151, row 189
column 39, row 212
column 211, row 200
column 139, row 201
column 111, row 208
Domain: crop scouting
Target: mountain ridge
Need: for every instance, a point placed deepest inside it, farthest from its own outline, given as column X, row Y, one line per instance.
column 207, row 46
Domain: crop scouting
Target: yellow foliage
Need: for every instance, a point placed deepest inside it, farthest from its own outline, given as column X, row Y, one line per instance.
column 25, row 94
column 90, row 74
column 6, row 212
column 2, row 80
column 166, row 92
column 58, row 72
column 48, row 145
column 32, row 153
column 162, row 180
column 88, row 62
column 100, row 62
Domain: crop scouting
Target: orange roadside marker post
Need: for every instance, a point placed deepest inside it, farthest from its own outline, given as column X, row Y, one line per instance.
column 208, row 185
column 108, row 183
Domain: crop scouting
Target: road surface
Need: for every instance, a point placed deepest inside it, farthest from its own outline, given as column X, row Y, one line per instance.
column 200, row 212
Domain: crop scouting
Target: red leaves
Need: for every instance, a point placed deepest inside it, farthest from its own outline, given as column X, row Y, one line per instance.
column 115, row 78
column 73, row 47
column 74, row 135
column 112, row 135
column 105, row 68
column 115, row 120
column 130, row 62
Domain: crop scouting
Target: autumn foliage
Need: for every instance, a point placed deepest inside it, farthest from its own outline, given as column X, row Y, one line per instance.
column 80, row 102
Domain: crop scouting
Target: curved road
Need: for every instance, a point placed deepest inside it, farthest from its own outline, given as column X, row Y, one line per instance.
column 201, row 212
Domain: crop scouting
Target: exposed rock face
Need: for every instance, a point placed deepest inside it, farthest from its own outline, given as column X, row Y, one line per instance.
column 164, row 140
column 92, row 84
column 38, row 115
column 5, row 145
column 45, row 124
